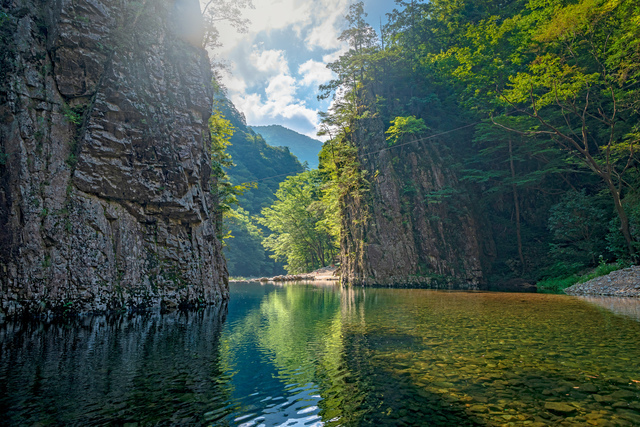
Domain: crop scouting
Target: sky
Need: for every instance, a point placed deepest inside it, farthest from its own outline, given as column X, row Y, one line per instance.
column 274, row 69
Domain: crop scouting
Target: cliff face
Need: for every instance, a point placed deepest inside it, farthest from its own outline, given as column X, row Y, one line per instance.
column 412, row 225
column 104, row 164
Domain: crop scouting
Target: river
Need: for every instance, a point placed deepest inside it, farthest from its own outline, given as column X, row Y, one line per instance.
column 313, row 355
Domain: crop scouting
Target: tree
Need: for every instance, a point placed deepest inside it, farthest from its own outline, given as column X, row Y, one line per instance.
column 299, row 233
column 225, row 194
column 572, row 92
column 401, row 126
column 216, row 11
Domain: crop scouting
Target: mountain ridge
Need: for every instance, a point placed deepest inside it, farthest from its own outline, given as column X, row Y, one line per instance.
column 305, row 148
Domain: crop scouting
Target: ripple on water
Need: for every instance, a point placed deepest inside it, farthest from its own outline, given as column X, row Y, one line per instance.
column 300, row 355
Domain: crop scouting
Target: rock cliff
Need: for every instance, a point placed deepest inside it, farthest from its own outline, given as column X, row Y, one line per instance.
column 412, row 224
column 105, row 181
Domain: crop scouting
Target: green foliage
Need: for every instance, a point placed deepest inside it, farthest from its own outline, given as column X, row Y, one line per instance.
column 72, row 160
column 73, row 114
column 256, row 170
column 254, row 161
column 402, row 126
column 579, row 225
column 297, row 221
column 532, row 104
column 244, row 251
column 557, row 285
column 225, row 194
column 3, row 157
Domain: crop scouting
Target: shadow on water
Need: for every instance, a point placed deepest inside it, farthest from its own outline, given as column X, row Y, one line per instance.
column 388, row 396
column 112, row 370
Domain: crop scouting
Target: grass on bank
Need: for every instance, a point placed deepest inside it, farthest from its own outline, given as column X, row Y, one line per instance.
column 558, row 284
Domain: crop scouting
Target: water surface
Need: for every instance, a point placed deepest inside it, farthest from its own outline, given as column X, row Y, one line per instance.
column 320, row 355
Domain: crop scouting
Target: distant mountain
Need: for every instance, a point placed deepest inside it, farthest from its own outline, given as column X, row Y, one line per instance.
column 304, row 148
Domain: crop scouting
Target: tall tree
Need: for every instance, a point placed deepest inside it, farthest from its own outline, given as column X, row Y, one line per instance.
column 572, row 91
column 299, row 232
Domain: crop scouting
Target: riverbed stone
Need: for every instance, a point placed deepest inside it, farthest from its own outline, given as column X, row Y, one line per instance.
column 603, row 398
column 624, row 394
column 629, row 415
column 620, row 283
column 560, row 408
column 588, row 388
column 478, row 409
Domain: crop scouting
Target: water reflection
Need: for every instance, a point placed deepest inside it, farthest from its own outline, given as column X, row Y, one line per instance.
column 421, row 357
column 629, row 307
column 102, row 370
column 283, row 341
column 320, row 355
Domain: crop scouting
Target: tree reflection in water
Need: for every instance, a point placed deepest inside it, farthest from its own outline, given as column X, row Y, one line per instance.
column 313, row 355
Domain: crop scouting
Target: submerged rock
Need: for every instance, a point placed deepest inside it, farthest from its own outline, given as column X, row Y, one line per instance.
column 560, row 408
column 105, row 181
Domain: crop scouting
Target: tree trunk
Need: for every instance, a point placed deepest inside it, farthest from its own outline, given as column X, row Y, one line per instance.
column 622, row 215
column 516, row 202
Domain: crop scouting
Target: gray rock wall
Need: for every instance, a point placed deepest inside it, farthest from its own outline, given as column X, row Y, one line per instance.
column 413, row 224
column 105, row 181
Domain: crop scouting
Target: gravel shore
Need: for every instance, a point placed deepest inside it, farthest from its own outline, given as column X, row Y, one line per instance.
column 621, row 283
column 322, row 274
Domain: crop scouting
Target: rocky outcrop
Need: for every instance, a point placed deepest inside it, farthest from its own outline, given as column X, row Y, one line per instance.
column 105, row 181
column 411, row 224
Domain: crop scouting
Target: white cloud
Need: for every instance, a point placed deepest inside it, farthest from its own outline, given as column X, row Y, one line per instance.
column 234, row 84
column 269, row 83
column 270, row 60
column 319, row 23
column 278, row 14
column 281, row 90
column 314, row 73
column 327, row 24
column 324, row 36
column 267, row 16
column 278, row 105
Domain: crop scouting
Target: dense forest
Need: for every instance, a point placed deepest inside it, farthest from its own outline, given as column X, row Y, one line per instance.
column 523, row 117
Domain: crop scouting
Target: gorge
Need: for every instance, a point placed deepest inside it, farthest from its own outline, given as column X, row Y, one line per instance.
column 468, row 147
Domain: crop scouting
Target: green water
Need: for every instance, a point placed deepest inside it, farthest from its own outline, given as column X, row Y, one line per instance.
column 321, row 355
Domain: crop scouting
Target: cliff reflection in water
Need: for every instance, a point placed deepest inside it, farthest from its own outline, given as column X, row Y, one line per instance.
column 322, row 355
column 112, row 370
